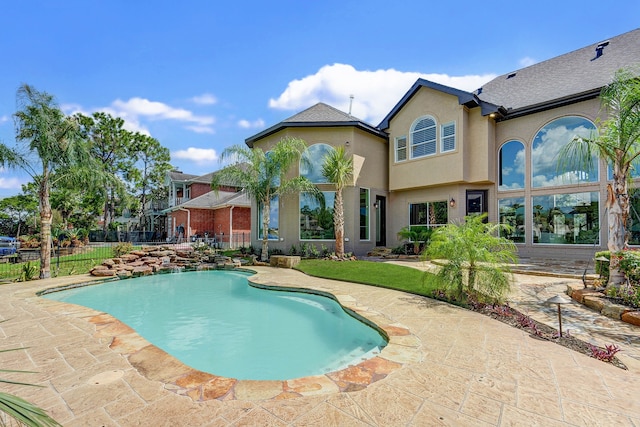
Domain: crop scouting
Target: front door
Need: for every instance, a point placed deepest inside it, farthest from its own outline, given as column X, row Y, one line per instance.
column 477, row 202
column 381, row 221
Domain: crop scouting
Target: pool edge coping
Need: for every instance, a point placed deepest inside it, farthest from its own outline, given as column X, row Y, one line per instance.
column 156, row 365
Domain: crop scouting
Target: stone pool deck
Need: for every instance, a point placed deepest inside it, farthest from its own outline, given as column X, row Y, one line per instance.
column 447, row 366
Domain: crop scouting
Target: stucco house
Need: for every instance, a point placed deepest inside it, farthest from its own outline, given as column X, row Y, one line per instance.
column 442, row 153
column 194, row 210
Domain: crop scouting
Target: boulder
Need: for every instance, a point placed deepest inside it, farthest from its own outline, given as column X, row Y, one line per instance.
column 632, row 317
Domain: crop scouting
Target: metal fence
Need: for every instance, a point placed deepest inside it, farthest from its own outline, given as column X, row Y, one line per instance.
column 25, row 264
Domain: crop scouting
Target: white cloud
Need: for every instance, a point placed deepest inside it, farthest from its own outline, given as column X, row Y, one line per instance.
column 201, row 129
column 136, row 110
column 197, row 155
column 375, row 92
column 158, row 111
column 205, row 99
column 11, row 183
column 4, row 119
column 527, row 61
column 246, row 124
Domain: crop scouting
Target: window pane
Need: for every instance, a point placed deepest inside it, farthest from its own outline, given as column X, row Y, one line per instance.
column 401, row 149
column 316, row 217
column 511, row 166
column 566, row 218
column 423, row 138
column 273, row 219
column 364, row 214
column 431, row 214
column 547, row 145
column 512, row 213
column 312, row 169
column 448, row 135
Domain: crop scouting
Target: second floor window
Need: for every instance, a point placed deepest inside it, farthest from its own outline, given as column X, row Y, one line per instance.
column 423, row 137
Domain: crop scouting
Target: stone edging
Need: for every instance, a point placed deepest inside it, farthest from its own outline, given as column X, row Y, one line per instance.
column 157, row 365
column 597, row 301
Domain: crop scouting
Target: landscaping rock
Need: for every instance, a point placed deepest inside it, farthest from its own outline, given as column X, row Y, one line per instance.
column 594, row 302
column 632, row 317
column 615, row 311
column 103, row 272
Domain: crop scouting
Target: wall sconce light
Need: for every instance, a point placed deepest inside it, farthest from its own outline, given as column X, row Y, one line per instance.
column 346, row 143
column 376, row 205
column 452, row 202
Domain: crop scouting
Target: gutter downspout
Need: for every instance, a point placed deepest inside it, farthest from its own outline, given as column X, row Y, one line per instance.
column 188, row 222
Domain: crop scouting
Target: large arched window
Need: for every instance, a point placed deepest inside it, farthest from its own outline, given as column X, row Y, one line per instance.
column 423, row 137
column 545, row 167
column 311, row 167
column 511, row 166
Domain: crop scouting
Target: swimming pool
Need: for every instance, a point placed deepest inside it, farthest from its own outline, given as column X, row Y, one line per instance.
column 214, row 321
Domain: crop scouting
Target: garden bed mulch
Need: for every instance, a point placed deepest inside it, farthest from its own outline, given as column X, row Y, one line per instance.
column 514, row 318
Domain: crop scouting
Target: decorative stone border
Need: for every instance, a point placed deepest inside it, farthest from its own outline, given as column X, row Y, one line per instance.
column 157, row 365
column 597, row 301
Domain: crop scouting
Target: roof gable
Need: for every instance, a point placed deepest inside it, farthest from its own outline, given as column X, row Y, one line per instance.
column 318, row 115
column 464, row 98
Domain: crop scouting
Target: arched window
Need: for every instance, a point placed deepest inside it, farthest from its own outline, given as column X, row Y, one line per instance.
column 312, row 167
column 545, row 170
column 511, row 166
column 423, row 137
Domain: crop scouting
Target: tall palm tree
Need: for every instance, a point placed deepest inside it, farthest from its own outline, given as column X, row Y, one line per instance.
column 618, row 143
column 338, row 169
column 264, row 176
column 51, row 151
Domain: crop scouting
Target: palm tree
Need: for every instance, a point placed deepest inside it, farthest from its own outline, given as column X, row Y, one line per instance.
column 264, row 176
column 338, row 169
column 475, row 247
column 52, row 152
column 417, row 235
column 618, row 143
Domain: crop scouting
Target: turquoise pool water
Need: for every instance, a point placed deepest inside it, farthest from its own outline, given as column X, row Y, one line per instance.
column 215, row 322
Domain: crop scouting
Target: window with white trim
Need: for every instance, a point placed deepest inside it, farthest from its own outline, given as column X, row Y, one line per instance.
column 448, row 137
column 401, row 149
column 423, row 137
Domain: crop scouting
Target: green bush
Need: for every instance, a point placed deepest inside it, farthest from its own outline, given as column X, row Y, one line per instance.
column 630, row 265
column 122, row 249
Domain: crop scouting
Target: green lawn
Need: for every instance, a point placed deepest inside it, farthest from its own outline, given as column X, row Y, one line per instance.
column 372, row 273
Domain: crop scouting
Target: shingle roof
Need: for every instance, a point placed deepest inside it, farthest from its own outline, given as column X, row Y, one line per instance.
column 574, row 75
column 321, row 112
column 179, row 176
column 318, row 115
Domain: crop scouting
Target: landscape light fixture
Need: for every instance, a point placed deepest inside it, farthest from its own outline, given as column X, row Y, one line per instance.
column 559, row 300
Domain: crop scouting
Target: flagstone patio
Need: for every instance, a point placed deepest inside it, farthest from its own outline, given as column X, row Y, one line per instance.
column 451, row 367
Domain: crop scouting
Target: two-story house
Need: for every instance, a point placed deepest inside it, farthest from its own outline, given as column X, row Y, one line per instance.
column 194, row 210
column 441, row 154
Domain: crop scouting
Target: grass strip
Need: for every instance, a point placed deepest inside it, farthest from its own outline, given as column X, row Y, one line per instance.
column 381, row 274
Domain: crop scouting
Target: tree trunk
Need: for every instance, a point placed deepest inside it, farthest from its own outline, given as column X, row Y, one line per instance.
column 266, row 210
column 338, row 223
column 617, row 207
column 45, row 232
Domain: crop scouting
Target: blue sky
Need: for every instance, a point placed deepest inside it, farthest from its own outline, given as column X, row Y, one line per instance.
column 201, row 76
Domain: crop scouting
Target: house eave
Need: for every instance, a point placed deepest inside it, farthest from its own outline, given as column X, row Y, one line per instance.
column 549, row 105
column 283, row 125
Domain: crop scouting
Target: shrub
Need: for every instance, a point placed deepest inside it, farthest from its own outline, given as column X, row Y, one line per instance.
column 29, row 272
column 630, row 265
column 122, row 248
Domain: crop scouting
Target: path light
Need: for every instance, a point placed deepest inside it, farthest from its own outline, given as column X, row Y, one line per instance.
column 559, row 299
